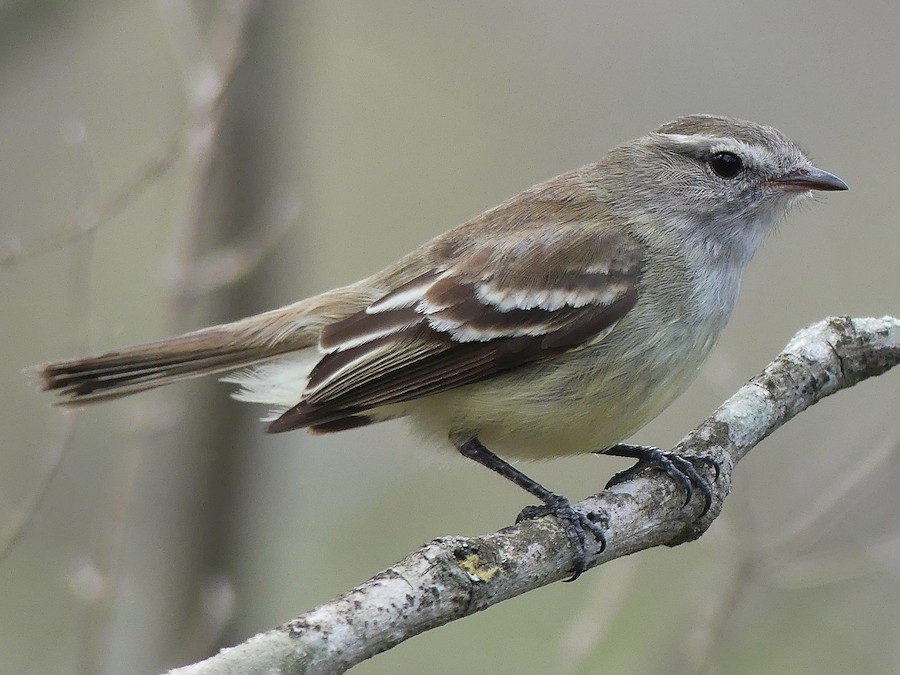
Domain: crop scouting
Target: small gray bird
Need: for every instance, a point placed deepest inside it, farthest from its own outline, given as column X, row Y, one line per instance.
column 559, row 322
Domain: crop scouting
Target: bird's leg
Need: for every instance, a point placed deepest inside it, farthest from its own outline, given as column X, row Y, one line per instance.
column 680, row 468
column 574, row 523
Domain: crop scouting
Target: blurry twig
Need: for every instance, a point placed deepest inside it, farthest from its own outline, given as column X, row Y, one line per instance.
column 108, row 563
column 209, row 61
column 586, row 628
column 78, row 319
column 231, row 263
column 22, row 517
column 832, row 499
column 708, row 632
column 14, row 249
column 212, row 58
column 840, row 565
column 772, row 558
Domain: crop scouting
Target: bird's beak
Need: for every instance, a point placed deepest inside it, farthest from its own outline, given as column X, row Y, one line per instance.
column 809, row 178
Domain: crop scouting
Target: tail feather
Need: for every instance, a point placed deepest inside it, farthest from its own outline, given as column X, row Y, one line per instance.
column 218, row 349
column 120, row 373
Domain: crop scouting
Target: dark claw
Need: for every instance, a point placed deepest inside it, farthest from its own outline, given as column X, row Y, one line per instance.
column 680, row 468
column 574, row 525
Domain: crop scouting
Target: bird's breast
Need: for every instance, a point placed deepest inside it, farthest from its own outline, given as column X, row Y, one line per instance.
column 578, row 402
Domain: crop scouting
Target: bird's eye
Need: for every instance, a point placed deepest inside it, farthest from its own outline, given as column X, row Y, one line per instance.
column 726, row 164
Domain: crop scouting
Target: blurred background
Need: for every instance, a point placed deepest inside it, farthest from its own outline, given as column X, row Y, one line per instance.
column 170, row 164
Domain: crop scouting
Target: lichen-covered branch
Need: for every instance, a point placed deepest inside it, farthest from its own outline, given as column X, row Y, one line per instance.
column 452, row 577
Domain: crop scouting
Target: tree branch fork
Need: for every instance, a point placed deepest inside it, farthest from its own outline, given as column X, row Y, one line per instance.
column 452, row 577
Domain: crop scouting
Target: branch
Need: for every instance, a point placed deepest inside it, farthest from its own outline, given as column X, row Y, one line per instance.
column 452, row 577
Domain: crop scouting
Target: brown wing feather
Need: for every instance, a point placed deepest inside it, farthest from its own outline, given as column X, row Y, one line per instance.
column 472, row 319
column 454, row 366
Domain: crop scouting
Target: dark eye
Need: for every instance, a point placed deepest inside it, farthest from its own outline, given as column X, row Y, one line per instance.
column 726, row 164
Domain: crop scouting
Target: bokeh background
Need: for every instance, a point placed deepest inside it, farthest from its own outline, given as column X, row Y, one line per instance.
column 225, row 158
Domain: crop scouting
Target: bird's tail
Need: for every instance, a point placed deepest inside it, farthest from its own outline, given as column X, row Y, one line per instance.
column 217, row 349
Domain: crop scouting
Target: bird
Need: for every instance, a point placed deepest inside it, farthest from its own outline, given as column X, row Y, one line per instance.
column 559, row 322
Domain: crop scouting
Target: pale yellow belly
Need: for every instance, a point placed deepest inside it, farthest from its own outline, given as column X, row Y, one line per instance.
column 579, row 402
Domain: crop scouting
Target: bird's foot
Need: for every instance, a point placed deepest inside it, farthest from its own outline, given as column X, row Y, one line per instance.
column 680, row 468
column 574, row 524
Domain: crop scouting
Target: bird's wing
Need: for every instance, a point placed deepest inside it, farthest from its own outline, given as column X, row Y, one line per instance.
column 487, row 307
